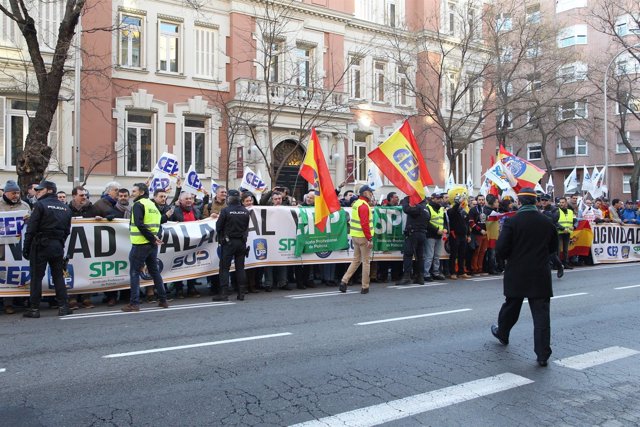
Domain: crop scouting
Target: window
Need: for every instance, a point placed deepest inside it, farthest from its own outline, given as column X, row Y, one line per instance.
column 361, row 148
column 506, row 54
column 627, row 64
column 273, row 62
column 533, row 49
column 355, row 82
column 391, row 15
column 450, row 89
column 507, row 89
column 533, row 14
column 634, row 140
column 573, row 110
column 8, row 28
column 632, row 104
column 303, row 57
column 534, row 152
column 531, row 118
column 378, row 81
column 573, row 72
column 572, row 36
column 505, row 122
column 206, row 42
column 503, row 22
column 131, row 41
column 402, row 87
column 463, row 165
column 475, row 92
column 625, row 25
column 19, row 113
column 50, row 14
column 169, row 47
column 194, row 144
column 139, row 142
column 562, row 5
column 626, row 183
column 535, row 82
column 572, row 146
column 451, row 18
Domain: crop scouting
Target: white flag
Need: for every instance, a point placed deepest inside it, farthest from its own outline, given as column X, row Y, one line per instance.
column 587, row 184
column 538, row 187
column 168, row 164
column 159, row 181
column 214, row 187
column 252, row 182
column 595, row 176
column 549, row 187
column 469, row 184
column 450, row 183
column 484, row 188
column 571, row 183
column 192, row 183
column 497, row 174
column 373, row 177
column 437, row 189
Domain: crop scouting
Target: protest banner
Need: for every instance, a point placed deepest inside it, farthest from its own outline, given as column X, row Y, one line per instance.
column 11, row 226
column 614, row 243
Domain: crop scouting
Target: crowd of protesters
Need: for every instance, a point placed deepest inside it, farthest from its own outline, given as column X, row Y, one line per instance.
column 457, row 227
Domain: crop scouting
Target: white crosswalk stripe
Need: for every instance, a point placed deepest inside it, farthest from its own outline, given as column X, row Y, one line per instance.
column 595, row 358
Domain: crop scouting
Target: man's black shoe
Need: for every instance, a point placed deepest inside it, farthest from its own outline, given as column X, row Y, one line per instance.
column 404, row 281
column 64, row 311
column 568, row 267
column 496, row 333
column 428, row 279
column 364, row 291
column 33, row 313
column 560, row 271
column 219, row 298
column 343, row 287
column 240, row 297
column 267, row 289
column 439, row 277
column 542, row 363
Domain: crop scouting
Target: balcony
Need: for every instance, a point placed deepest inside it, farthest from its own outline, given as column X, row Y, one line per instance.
column 292, row 96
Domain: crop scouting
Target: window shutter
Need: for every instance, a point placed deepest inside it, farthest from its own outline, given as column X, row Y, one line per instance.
column 3, row 120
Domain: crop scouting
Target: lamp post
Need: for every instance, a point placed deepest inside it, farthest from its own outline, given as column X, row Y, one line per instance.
column 77, row 100
column 606, row 117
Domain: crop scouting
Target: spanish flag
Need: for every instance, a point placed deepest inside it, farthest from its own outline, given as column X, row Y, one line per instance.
column 399, row 159
column 526, row 173
column 581, row 239
column 315, row 171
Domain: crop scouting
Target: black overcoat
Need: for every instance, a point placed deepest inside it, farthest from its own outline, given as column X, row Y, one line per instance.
column 526, row 241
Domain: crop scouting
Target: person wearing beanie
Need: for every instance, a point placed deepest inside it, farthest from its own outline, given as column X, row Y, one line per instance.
column 525, row 243
column 361, row 232
column 11, row 201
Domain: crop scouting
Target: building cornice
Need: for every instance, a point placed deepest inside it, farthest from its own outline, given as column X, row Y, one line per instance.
column 309, row 9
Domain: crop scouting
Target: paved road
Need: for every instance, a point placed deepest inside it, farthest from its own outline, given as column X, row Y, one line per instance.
column 406, row 356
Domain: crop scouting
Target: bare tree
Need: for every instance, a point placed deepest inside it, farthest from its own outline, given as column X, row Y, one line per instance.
column 34, row 159
column 617, row 19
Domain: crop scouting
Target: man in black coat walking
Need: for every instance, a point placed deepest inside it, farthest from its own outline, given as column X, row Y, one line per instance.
column 525, row 243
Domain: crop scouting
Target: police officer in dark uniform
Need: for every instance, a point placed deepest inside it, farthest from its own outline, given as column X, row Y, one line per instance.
column 525, row 243
column 232, row 228
column 415, row 232
column 47, row 230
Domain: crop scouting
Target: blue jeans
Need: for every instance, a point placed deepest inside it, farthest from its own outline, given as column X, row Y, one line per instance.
column 140, row 256
column 432, row 251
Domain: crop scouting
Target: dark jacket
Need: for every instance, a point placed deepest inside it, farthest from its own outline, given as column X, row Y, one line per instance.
column 552, row 213
column 50, row 220
column 477, row 220
column 525, row 243
column 417, row 216
column 86, row 211
column 178, row 214
column 233, row 223
column 105, row 207
column 458, row 221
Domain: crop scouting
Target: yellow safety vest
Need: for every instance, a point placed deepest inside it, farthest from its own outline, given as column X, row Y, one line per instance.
column 566, row 221
column 151, row 220
column 437, row 218
column 355, row 228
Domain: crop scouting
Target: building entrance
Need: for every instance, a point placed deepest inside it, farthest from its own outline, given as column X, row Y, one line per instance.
column 291, row 155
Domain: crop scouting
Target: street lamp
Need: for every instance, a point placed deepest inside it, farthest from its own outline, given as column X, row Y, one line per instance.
column 606, row 117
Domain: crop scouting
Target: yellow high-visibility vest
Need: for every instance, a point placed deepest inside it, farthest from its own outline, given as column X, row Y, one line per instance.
column 437, row 218
column 151, row 220
column 355, row 228
column 566, row 221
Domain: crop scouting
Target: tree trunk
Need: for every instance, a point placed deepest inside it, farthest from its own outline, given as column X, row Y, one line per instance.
column 634, row 180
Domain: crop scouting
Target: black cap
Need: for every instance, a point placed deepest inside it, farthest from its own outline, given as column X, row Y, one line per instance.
column 545, row 197
column 436, row 195
column 233, row 193
column 49, row 185
column 364, row 188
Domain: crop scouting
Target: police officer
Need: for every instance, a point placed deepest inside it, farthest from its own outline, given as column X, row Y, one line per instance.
column 144, row 232
column 232, row 228
column 416, row 238
column 47, row 230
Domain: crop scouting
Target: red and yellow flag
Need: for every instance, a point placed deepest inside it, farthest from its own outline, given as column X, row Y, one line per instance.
column 399, row 159
column 581, row 239
column 526, row 173
column 315, row 171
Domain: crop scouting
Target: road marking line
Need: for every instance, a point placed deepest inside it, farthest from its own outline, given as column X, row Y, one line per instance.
column 146, row 310
column 3, row 370
column 323, row 294
column 416, row 286
column 417, row 316
column 570, row 295
column 627, row 287
column 203, row 344
column 420, row 403
column 594, row 358
column 485, row 279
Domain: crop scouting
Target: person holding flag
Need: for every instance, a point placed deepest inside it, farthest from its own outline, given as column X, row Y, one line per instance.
column 361, row 232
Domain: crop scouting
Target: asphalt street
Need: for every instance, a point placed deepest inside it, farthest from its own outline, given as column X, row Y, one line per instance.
column 398, row 356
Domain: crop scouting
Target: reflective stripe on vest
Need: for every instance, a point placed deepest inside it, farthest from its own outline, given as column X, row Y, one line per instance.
column 151, row 220
column 437, row 218
column 355, row 228
column 566, row 221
